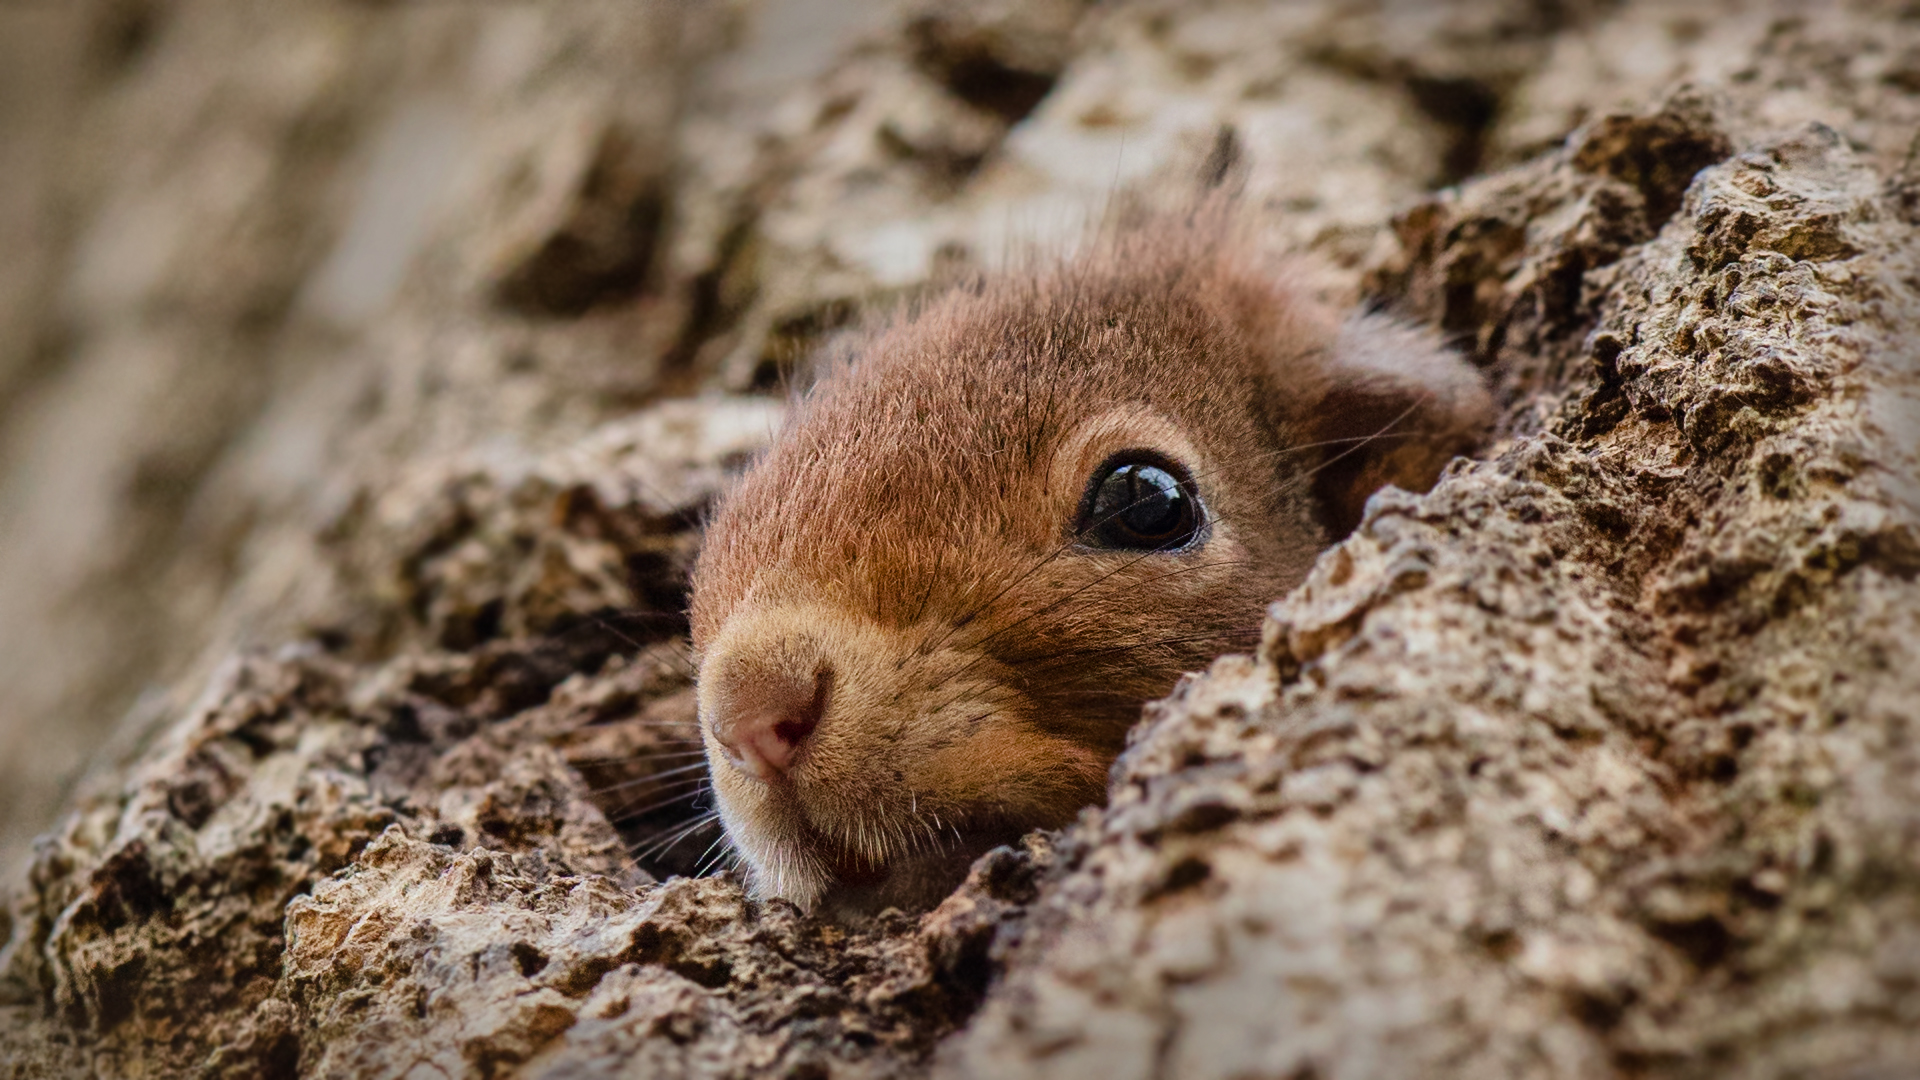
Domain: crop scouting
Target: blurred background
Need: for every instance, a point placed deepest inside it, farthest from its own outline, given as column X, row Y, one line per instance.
column 267, row 264
column 258, row 254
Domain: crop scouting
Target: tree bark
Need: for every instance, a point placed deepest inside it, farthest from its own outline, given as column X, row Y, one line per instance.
column 1596, row 760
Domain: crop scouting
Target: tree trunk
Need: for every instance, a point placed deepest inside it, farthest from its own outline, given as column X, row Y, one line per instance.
column 1597, row 760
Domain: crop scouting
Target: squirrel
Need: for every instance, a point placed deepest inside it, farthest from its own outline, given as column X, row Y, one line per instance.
column 925, row 619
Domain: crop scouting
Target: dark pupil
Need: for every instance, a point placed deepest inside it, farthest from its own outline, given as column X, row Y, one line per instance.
column 1141, row 506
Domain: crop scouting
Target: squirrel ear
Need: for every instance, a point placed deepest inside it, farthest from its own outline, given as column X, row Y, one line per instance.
column 1398, row 406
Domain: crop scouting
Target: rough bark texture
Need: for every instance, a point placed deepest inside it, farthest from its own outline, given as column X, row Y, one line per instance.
column 1598, row 760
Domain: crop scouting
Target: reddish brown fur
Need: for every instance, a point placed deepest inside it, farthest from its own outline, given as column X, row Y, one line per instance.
column 911, row 532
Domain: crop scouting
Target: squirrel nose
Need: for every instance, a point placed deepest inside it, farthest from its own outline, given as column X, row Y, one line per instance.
column 768, row 718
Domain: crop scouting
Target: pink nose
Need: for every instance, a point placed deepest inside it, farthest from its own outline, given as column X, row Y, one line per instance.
column 767, row 718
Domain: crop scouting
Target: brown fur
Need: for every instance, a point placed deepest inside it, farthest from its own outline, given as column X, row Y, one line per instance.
column 911, row 532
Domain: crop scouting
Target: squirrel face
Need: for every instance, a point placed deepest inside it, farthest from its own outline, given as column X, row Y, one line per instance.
column 927, row 617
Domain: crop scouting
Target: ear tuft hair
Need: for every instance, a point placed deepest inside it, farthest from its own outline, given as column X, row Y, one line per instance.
column 1412, row 403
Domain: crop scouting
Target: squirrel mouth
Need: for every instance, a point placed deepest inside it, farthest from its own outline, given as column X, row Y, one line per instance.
column 911, row 881
column 844, row 867
column 804, row 852
column 851, row 871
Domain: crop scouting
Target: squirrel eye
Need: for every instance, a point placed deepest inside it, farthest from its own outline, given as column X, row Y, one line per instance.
column 1136, row 505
